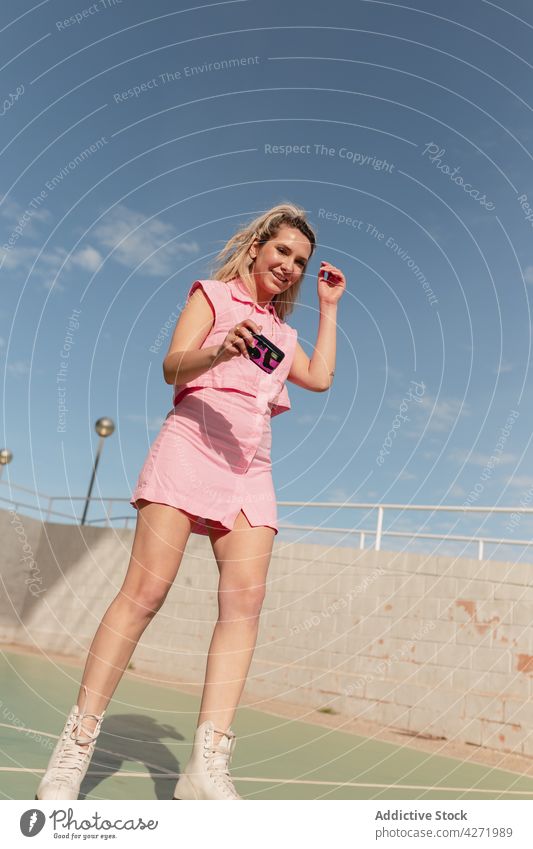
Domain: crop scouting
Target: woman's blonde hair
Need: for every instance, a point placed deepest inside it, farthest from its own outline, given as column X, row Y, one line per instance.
column 234, row 260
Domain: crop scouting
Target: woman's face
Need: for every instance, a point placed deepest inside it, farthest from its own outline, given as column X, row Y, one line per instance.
column 280, row 262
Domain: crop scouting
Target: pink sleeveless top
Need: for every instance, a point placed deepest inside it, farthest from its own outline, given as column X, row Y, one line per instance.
column 231, row 303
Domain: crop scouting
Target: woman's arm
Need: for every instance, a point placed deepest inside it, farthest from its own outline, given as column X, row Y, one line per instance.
column 185, row 360
column 317, row 373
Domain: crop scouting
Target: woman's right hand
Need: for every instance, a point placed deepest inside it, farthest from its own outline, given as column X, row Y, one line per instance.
column 234, row 345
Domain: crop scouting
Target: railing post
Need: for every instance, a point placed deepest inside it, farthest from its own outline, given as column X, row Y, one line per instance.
column 362, row 539
column 480, row 550
column 379, row 529
column 49, row 508
column 108, row 511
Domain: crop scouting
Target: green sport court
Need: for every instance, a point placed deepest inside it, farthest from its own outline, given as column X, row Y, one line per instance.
column 148, row 730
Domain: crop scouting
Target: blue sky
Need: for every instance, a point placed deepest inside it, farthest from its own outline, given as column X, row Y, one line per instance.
column 136, row 139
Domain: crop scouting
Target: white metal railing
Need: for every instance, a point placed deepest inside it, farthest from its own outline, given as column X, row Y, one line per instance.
column 377, row 532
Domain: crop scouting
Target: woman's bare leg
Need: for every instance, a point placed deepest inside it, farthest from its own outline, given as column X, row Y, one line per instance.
column 161, row 535
column 243, row 556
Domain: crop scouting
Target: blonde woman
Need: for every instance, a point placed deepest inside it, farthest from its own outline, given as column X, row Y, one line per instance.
column 209, row 472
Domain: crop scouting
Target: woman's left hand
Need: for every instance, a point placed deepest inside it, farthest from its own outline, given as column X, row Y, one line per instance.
column 330, row 290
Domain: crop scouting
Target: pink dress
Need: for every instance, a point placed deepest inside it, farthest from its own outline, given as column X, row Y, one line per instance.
column 211, row 457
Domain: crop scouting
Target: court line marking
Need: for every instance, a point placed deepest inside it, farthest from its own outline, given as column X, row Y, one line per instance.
column 169, row 774
column 439, row 787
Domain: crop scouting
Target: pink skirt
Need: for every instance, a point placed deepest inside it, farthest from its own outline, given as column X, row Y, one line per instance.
column 211, row 459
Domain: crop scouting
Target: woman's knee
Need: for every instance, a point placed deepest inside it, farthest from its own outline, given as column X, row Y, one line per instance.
column 144, row 601
column 238, row 602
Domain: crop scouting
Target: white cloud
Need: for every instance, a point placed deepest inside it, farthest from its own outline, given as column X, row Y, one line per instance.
column 523, row 481
column 308, row 418
column 18, row 368
column 444, row 414
column 441, row 417
column 87, row 258
column 528, row 274
column 153, row 424
column 12, row 211
column 503, row 368
column 53, row 285
column 393, row 373
column 19, row 259
column 476, row 458
column 406, row 476
column 154, row 239
column 54, row 258
column 340, row 493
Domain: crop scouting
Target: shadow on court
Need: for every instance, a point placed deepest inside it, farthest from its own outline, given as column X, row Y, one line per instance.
column 130, row 738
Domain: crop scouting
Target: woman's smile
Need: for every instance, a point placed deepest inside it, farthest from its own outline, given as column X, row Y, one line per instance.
column 279, row 278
